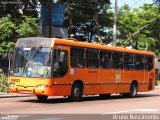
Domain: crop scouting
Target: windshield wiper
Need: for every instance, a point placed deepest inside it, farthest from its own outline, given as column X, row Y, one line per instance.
column 36, row 51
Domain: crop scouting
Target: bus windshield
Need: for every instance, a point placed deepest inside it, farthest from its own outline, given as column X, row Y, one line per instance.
column 32, row 62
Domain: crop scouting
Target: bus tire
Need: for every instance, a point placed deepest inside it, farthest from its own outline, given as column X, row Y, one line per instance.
column 104, row 95
column 133, row 91
column 76, row 92
column 42, row 98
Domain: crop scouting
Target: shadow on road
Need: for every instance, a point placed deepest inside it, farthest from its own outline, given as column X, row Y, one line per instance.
column 88, row 98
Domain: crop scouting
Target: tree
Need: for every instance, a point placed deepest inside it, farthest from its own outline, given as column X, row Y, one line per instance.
column 18, row 8
column 87, row 18
column 136, row 27
column 28, row 27
column 10, row 31
column 7, row 31
column 157, row 2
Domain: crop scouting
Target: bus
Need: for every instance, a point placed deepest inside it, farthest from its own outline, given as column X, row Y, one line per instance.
column 67, row 67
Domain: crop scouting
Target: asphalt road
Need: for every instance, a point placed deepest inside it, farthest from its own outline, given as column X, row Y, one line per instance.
column 29, row 106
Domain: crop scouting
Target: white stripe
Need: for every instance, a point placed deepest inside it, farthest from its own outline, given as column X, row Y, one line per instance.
column 135, row 110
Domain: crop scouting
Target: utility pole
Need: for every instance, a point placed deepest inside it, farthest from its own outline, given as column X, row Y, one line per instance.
column 115, row 23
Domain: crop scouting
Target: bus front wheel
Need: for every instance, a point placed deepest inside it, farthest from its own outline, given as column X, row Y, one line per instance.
column 42, row 98
column 77, row 92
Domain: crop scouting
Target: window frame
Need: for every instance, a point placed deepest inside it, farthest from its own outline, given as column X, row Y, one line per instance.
column 92, row 58
column 77, row 58
column 119, row 61
column 102, row 52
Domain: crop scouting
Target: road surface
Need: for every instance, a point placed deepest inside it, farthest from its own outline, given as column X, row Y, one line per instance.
column 145, row 103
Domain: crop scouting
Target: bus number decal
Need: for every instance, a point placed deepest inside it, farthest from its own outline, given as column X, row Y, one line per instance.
column 72, row 71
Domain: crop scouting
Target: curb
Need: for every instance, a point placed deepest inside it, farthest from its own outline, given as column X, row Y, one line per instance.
column 9, row 95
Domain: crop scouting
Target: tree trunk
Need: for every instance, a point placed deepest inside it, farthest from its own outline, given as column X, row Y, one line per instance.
column 25, row 7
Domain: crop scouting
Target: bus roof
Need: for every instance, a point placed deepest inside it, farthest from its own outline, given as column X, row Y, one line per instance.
column 34, row 42
column 49, row 42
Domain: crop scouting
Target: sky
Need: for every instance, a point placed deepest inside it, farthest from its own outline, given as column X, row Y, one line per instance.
column 132, row 3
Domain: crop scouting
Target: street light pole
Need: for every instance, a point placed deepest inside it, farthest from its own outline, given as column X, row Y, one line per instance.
column 115, row 23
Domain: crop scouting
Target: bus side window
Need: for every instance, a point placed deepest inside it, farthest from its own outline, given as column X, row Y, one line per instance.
column 105, row 59
column 148, row 62
column 77, row 57
column 139, row 62
column 117, row 60
column 92, row 58
column 128, row 61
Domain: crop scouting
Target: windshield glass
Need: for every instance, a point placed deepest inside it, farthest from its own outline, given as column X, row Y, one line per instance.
column 32, row 62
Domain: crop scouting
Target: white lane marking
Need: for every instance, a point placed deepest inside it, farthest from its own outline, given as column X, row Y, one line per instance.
column 51, row 118
column 135, row 110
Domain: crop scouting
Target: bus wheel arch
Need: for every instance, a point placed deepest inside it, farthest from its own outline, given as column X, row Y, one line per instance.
column 133, row 89
column 76, row 91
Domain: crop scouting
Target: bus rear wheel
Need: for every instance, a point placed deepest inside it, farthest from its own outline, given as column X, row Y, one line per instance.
column 42, row 98
column 77, row 92
column 133, row 91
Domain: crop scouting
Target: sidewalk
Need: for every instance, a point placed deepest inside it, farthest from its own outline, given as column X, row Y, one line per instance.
column 8, row 95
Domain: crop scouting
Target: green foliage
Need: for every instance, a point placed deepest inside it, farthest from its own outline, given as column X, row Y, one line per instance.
column 7, row 28
column 3, row 81
column 28, row 27
column 11, row 30
column 18, row 8
column 132, row 21
column 88, row 18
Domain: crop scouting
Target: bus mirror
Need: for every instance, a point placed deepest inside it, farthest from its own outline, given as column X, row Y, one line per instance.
column 10, row 56
column 61, row 57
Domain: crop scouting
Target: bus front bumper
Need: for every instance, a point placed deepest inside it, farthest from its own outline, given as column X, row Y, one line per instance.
column 37, row 90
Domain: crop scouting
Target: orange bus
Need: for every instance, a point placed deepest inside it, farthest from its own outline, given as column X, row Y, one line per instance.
column 66, row 67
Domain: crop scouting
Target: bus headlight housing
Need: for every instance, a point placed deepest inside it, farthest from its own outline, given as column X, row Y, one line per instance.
column 12, row 85
column 42, row 86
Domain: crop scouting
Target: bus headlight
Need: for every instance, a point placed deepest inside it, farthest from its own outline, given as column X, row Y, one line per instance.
column 12, row 85
column 42, row 86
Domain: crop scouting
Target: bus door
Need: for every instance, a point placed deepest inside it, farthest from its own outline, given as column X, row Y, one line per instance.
column 106, row 72
column 60, row 65
column 118, row 66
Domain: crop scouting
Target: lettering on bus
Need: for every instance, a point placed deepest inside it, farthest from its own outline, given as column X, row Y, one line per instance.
column 92, row 71
column 15, row 80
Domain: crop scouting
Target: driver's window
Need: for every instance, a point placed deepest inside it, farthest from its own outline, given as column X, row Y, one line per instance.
column 60, row 63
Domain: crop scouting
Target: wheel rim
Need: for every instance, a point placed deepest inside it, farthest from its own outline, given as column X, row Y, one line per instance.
column 76, row 92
